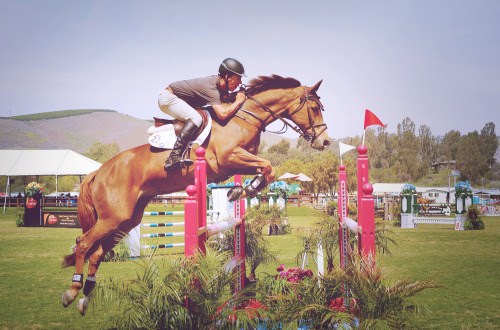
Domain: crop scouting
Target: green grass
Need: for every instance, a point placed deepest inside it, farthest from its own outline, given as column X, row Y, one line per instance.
column 465, row 264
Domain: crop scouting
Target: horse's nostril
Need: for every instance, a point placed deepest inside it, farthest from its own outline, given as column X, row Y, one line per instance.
column 326, row 143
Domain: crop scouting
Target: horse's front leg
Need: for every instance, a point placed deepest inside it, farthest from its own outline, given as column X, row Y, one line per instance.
column 244, row 159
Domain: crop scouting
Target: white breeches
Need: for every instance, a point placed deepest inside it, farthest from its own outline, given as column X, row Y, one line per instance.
column 177, row 108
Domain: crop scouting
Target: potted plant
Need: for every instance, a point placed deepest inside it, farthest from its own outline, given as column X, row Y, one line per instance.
column 407, row 199
column 463, row 191
column 280, row 188
column 32, row 189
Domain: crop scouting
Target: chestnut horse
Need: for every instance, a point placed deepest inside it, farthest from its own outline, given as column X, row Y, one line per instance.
column 119, row 191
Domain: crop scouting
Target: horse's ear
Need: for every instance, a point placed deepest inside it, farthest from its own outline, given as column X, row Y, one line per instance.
column 315, row 87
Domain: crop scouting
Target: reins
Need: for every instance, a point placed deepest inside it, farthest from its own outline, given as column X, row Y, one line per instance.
column 276, row 116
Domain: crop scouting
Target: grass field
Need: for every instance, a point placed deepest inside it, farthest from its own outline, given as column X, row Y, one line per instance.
column 465, row 264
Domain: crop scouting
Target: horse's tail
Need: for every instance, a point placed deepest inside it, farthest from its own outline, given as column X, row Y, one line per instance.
column 86, row 210
column 86, row 213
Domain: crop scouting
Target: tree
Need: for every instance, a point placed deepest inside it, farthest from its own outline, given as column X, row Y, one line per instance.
column 280, row 148
column 304, row 145
column 489, row 143
column 103, row 152
column 262, row 146
column 329, row 168
column 470, row 160
column 311, row 170
column 407, row 145
column 428, row 149
column 450, row 145
column 379, row 149
column 294, row 166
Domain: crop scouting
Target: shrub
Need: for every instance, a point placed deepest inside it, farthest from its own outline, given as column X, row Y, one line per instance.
column 395, row 211
column 274, row 216
column 180, row 293
column 468, row 225
column 375, row 301
column 256, row 248
column 353, row 210
column 331, row 207
column 20, row 216
column 119, row 253
column 474, row 221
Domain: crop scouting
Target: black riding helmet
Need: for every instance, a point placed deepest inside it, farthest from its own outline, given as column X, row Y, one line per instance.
column 231, row 65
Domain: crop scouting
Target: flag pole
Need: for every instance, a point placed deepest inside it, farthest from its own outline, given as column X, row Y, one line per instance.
column 364, row 133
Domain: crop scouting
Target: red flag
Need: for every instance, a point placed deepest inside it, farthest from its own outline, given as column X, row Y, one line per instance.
column 371, row 119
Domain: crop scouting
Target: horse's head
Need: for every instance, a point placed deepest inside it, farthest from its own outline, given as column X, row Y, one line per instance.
column 278, row 98
column 307, row 115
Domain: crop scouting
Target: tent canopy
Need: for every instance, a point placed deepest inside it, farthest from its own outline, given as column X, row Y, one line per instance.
column 288, row 176
column 45, row 162
column 295, row 177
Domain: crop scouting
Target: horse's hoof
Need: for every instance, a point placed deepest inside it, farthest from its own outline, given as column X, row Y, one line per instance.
column 82, row 305
column 235, row 193
column 68, row 298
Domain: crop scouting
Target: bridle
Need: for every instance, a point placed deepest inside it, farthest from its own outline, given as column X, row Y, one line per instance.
column 304, row 100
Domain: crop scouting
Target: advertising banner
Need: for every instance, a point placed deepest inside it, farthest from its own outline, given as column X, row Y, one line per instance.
column 61, row 219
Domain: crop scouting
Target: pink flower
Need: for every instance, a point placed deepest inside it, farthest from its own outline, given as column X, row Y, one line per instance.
column 281, row 268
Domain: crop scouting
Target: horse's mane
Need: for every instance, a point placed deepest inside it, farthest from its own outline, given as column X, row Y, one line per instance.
column 264, row 83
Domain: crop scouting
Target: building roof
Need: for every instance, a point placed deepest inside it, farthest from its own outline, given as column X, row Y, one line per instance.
column 45, row 162
column 493, row 191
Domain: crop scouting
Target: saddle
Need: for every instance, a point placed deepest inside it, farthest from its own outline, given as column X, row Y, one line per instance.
column 179, row 124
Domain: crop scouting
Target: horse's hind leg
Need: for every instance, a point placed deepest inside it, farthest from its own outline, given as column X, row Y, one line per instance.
column 77, row 282
column 87, row 244
column 94, row 262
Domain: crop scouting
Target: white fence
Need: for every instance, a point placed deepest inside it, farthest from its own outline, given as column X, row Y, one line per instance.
column 410, row 220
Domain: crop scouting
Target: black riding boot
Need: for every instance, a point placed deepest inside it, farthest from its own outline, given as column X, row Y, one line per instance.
column 175, row 160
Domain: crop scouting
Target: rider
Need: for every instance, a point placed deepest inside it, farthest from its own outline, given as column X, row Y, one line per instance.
column 180, row 99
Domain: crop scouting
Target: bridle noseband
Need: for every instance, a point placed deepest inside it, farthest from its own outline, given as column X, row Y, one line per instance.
column 304, row 100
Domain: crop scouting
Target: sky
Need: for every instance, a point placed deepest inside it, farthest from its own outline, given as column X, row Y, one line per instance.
column 434, row 61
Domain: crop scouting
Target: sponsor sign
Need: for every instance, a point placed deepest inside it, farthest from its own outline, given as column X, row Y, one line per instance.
column 30, row 203
column 61, row 219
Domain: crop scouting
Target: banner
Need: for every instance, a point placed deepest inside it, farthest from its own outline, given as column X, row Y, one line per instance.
column 61, row 219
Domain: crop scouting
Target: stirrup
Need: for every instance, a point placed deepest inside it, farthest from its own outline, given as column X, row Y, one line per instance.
column 172, row 165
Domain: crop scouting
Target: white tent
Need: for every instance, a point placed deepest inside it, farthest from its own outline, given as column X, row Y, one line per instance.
column 44, row 162
column 288, row 176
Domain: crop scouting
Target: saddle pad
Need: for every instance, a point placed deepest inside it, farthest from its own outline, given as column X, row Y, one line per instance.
column 164, row 137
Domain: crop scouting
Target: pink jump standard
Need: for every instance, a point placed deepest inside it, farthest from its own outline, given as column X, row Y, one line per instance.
column 197, row 231
column 365, row 227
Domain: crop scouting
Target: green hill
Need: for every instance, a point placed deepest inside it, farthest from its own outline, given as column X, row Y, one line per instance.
column 72, row 129
column 55, row 114
column 79, row 129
